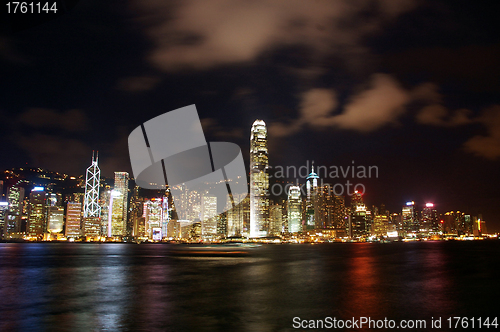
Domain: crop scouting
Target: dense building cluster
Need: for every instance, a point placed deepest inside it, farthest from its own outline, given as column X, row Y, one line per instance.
column 38, row 205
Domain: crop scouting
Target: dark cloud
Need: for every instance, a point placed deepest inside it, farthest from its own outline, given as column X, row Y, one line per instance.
column 472, row 67
column 487, row 146
column 438, row 115
column 9, row 52
column 375, row 106
column 212, row 128
column 53, row 153
column 71, row 120
column 202, row 34
column 138, row 83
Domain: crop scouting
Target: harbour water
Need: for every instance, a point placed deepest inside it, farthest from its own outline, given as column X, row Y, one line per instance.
column 130, row 287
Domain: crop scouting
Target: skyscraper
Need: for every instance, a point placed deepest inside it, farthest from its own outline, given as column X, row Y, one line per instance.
column 37, row 216
column 235, row 217
column 55, row 213
column 275, row 219
column 312, row 216
column 259, row 180
column 429, row 220
column 153, row 216
column 118, row 204
column 91, row 206
column 73, row 220
column 208, row 217
column 409, row 218
column 4, row 208
column 294, row 206
column 358, row 225
column 15, row 197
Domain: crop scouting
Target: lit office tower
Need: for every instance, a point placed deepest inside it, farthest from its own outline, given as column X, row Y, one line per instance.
column 118, row 203
column 235, row 216
column 259, row 180
column 331, row 212
column 55, row 213
column 104, row 203
column 153, row 216
column 275, row 219
column 136, row 209
column 429, row 220
column 409, row 218
column 15, row 197
column 4, row 209
column 166, row 213
column 312, row 216
column 73, row 220
column 294, row 206
column 358, row 226
column 37, row 212
column 91, row 206
column 208, row 217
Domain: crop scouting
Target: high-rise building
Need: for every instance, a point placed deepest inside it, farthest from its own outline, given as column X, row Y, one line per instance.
column 55, row 213
column 173, row 229
column 236, row 216
column 2, row 197
column 153, row 216
column 208, row 217
column 429, row 220
column 221, row 221
column 91, row 206
column 358, row 225
column 331, row 212
column 118, row 204
column 166, row 213
column 409, row 218
column 313, row 219
column 73, row 220
column 275, row 220
column 105, row 206
column 259, row 180
column 380, row 225
column 294, row 206
column 15, row 198
column 56, row 219
column 4, row 209
column 37, row 213
column 136, row 218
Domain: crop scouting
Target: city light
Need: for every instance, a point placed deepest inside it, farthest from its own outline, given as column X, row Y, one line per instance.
column 115, row 193
column 312, row 216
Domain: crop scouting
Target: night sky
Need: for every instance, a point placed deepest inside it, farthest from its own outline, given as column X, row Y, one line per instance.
column 410, row 86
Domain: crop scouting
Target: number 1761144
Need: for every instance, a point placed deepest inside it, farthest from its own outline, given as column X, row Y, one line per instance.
column 16, row 7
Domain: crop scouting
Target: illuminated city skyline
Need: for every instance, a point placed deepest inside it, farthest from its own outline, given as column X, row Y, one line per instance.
column 310, row 210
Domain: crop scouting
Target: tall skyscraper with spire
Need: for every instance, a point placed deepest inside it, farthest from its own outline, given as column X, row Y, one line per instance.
column 312, row 199
column 259, row 180
column 91, row 206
